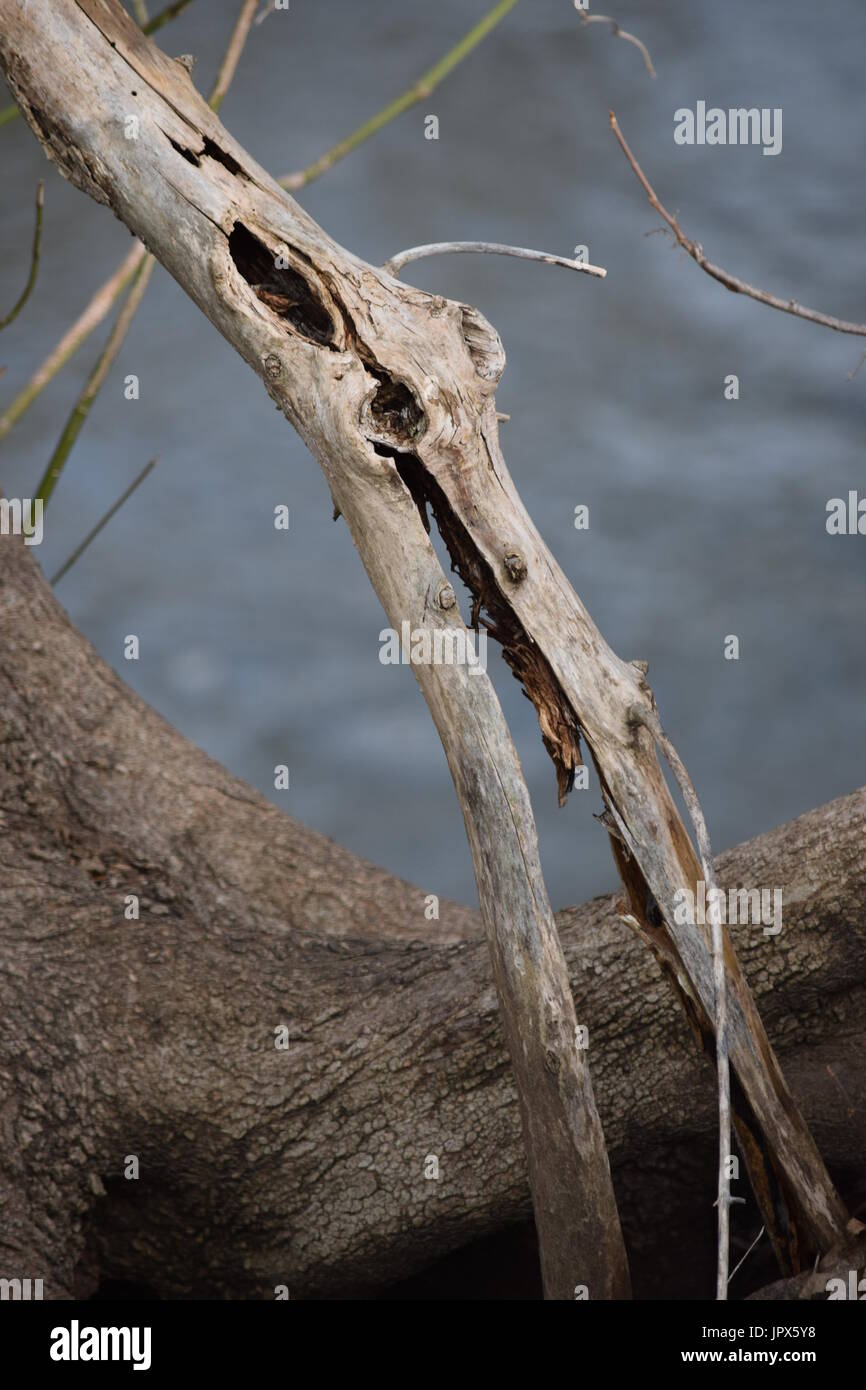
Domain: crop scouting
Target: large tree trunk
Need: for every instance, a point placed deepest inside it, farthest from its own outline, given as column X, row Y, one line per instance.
column 306, row 1167
column 393, row 391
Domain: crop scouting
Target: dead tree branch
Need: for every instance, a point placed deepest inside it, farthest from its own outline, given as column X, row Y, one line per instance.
column 494, row 248
column 724, row 277
column 393, row 390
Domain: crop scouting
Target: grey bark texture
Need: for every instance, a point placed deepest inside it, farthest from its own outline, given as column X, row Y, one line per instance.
column 393, row 390
column 260, row 1167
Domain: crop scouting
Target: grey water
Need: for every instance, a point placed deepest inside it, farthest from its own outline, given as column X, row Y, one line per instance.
column 707, row 515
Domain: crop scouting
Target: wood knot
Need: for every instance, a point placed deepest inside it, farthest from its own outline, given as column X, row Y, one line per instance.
column 446, row 597
column 515, row 566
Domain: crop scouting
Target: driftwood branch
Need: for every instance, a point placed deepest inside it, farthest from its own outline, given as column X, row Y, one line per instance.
column 393, row 391
column 313, row 327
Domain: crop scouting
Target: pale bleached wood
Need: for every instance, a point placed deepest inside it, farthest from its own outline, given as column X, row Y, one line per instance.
column 196, row 197
column 185, row 187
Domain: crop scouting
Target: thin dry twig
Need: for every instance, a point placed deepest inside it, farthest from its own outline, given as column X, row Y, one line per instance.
column 443, row 248
column 652, row 722
column 724, row 277
column 34, row 261
column 618, row 33
column 103, row 521
column 747, row 1254
column 232, row 54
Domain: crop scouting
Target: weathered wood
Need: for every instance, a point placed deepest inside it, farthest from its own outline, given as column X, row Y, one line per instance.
column 312, row 331
column 393, row 390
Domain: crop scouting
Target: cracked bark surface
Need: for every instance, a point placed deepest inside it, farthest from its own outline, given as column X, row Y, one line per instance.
column 393, row 391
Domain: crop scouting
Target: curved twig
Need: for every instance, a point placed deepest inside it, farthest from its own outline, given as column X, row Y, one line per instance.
column 724, row 277
column 618, row 33
column 34, row 262
column 442, row 248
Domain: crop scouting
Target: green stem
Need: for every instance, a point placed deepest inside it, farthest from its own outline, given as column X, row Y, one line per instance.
column 417, row 92
column 81, row 409
column 73, row 338
column 165, row 16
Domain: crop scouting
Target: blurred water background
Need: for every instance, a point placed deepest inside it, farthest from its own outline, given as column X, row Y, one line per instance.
column 706, row 516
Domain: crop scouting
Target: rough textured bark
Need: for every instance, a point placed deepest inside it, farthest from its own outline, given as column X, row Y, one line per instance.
column 393, row 391
column 156, row 1037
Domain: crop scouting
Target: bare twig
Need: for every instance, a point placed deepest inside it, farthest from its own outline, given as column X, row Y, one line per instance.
column 618, row 33
column 103, row 522
column 443, row 248
column 140, row 11
column 417, row 92
column 747, row 1254
column 651, row 720
column 233, row 53
column 731, row 282
column 854, row 370
column 34, row 261
column 81, row 409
